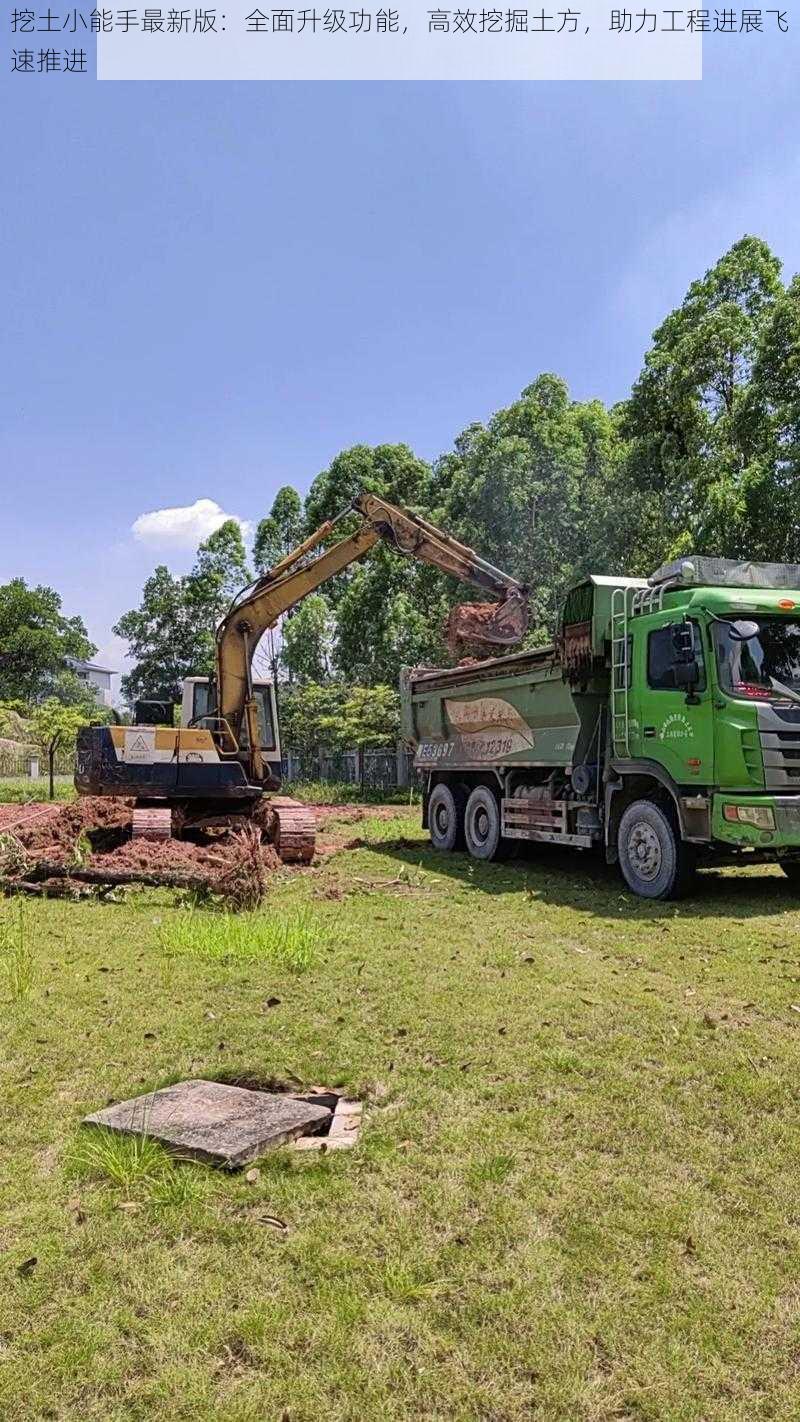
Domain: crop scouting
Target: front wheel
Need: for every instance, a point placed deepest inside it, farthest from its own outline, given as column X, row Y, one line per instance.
column 482, row 826
column 655, row 862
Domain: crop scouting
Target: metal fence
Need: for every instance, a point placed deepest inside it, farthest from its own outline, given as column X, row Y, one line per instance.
column 32, row 767
column 391, row 768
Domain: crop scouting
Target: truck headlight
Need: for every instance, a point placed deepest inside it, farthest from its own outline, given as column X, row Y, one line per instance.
column 762, row 816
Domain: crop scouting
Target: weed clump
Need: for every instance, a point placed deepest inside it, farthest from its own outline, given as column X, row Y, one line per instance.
column 136, row 1164
column 16, row 955
column 125, row 1160
column 244, row 882
column 13, row 856
column 289, row 940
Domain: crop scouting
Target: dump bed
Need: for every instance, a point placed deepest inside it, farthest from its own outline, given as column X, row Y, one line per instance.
column 513, row 710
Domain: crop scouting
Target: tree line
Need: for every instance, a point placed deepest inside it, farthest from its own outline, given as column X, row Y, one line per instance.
column 703, row 455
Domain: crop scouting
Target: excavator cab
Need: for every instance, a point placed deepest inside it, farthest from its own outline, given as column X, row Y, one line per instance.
column 198, row 710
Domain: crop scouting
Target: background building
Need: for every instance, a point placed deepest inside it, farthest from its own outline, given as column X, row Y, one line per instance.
column 98, row 678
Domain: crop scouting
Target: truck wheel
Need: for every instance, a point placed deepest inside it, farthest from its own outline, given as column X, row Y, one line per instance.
column 655, row 862
column 482, row 826
column 446, row 817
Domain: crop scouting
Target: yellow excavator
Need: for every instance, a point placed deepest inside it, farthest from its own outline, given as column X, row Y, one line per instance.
column 223, row 762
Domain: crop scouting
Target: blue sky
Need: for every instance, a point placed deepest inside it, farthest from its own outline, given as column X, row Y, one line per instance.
column 210, row 289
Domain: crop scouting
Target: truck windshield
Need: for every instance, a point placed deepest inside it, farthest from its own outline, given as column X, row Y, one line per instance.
column 745, row 668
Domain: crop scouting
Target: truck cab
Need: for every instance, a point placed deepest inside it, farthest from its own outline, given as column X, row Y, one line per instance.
column 713, row 711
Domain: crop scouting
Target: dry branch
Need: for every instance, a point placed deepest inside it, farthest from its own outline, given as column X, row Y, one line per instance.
column 164, row 879
column 59, row 889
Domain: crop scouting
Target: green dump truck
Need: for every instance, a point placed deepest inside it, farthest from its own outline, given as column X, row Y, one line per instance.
column 663, row 726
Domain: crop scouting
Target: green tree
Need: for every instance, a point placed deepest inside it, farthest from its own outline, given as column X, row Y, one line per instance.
column 392, row 471
column 55, row 727
column 72, row 690
column 385, row 612
column 171, row 633
column 698, row 424
column 304, row 711
column 537, row 492
column 391, row 614
column 35, row 641
column 14, row 721
column 370, row 718
column 280, row 531
column 165, row 641
column 773, row 493
column 220, row 572
column 338, row 717
column 307, row 640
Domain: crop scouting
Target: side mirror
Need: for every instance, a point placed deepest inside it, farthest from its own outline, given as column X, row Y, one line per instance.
column 743, row 631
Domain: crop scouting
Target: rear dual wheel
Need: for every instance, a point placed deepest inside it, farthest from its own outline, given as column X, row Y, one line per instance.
column 455, row 820
column 446, row 817
column 482, row 826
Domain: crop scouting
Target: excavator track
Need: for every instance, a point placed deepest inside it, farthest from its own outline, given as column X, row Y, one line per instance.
column 152, row 822
column 288, row 824
column 294, row 830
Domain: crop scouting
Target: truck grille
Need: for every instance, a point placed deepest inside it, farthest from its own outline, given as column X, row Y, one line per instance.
column 779, row 733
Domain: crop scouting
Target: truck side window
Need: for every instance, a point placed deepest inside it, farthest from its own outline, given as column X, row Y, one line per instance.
column 661, row 658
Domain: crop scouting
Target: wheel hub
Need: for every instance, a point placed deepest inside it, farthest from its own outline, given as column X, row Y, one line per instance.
column 644, row 850
column 481, row 826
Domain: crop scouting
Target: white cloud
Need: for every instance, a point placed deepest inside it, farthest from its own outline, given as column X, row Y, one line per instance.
column 183, row 527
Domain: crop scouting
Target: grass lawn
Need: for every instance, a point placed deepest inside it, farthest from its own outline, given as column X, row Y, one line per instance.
column 576, row 1195
column 345, row 792
column 23, row 789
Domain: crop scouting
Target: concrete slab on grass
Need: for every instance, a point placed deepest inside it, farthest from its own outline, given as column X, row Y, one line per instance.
column 210, row 1121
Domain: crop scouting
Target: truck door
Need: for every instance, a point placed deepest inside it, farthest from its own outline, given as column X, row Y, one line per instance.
column 670, row 723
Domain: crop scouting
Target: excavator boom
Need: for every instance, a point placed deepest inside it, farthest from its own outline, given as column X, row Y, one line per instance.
column 258, row 607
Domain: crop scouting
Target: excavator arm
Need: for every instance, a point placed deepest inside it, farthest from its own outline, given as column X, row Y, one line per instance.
column 258, row 607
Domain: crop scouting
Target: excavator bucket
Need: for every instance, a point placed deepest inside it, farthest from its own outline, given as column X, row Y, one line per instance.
column 481, row 626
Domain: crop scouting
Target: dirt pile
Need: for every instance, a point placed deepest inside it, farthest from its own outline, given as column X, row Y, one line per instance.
column 14, row 816
column 179, row 855
column 103, row 821
column 90, row 841
column 87, row 844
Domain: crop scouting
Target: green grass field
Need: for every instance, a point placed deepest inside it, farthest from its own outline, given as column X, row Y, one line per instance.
column 20, row 791
column 576, row 1195
column 344, row 792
